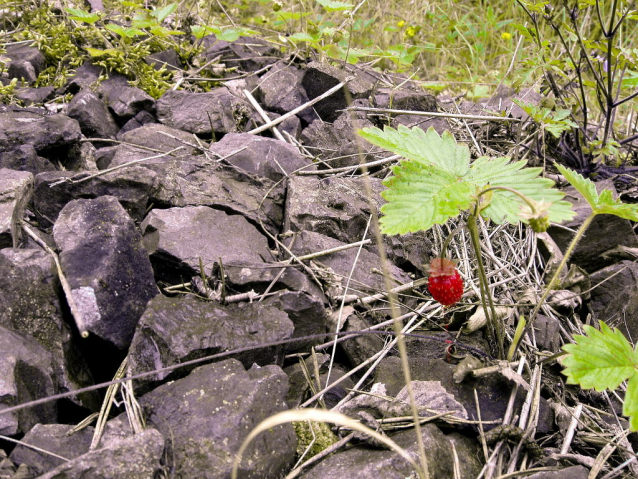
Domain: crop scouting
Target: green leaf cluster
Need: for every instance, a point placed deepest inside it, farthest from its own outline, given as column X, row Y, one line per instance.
column 439, row 181
column 555, row 121
column 602, row 360
column 603, row 203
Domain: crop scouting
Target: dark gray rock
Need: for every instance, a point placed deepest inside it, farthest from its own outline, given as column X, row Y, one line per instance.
column 547, row 333
column 35, row 96
column 157, row 137
column 93, row 116
column 502, row 101
column 411, row 251
column 265, row 157
column 26, row 62
column 139, row 120
column 106, row 266
column 300, row 390
column 361, row 348
column 321, row 77
column 281, row 91
column 137, row 456
column 411, row 100
column 174, row 330
column 85, row 75
column 493, row 391
column 50, row 135
column 363, row 463
column 113, row 83
column 198, row 112
column 177, row 238
column 335, row 207
column 7, row 468
column 246, row 276
column 337, row 143
column 249, row 53
column 210, row 412
column 131, row 186
column 104, row 156
column 614, row 299
column 605, row 232
column 364, row 280
column 25, row 375
column 30, row 305
column 399, row 99
column 25, row 158
column 129, row 101
column 198, row 180
column 16, row 189
column 306, row 313
column 53, row 438
column 290, row 126
column 339, row 208
column 168, row 59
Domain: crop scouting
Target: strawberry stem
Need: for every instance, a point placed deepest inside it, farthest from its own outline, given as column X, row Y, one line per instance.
column 446, row 243
column 495, row 329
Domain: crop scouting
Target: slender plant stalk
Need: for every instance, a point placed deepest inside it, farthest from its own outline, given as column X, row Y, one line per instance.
column 495, row 330
column 554, row 281
column 394, row 313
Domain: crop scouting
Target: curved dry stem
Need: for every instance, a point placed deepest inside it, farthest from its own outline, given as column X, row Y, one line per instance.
column 319, row 415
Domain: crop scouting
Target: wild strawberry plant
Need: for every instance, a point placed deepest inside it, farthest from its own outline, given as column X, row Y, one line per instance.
column 438, row 181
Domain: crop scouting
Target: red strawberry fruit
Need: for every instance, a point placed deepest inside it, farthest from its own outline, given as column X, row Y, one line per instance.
column 445, row 283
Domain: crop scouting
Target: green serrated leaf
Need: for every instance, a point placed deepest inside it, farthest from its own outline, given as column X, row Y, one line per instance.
column 584, row 186
column 630, row 406
column 82, row 15
column 424, row 147
column 449, row 162
column 228, row 35
column 420, row 196
column 601, row 360
column 334, row 6
column 162, row 13
column 603, row 204
column 129, row 32
column 305, row 37
column 164, row 32
column 201, row 31
column 506, row 206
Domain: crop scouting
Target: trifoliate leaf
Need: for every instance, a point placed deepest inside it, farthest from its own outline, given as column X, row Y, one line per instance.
column 450, row 184
column 630, row 406
column 601, row 360
column 603, row 204
column 420, row 196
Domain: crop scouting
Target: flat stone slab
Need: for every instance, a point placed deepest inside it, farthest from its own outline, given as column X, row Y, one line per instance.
column 179, row 237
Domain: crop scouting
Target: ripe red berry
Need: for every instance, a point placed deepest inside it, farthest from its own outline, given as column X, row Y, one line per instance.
column 445, row 283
